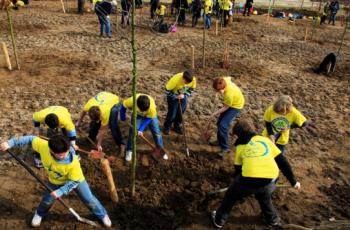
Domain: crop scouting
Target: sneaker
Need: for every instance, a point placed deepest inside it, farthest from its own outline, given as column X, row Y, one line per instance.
column 106, row 221
column 36, row 221
column 165, row 157
column 37, row 161
column 224, row 152
column 128, row 155
column 213, row 215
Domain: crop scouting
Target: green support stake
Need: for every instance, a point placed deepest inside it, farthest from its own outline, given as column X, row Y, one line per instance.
column 134, row 81
column 9, row 17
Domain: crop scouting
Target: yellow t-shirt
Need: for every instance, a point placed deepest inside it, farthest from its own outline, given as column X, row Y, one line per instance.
column 257, row 158
column 233, row 96
column 281, row 123
column 150, row 113
column 58, row 173
column 105, row 101
column 225, row 4
column 208, row 6
column 177, row 84
column 161, row 11
column 64, row 117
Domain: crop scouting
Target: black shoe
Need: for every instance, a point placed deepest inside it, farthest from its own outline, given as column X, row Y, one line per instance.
column 165, row 131
column 178, row 130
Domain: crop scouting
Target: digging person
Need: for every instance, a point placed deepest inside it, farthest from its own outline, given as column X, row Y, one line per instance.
column 146, row 117
column 257, row 163
column 54, row 117
column 177, row 89
column 64, row 175
column 280, row 118
column 103, row 111
column 233, row 103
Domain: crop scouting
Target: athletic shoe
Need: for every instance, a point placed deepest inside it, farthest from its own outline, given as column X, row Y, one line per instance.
column 178, row 130
column 106, row 221
column 36, row 221
column 165, row 157
column 128, row 155
column 213, row 215
column 224, row 152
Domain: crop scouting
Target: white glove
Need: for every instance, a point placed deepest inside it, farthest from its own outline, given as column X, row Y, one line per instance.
column 297, row 185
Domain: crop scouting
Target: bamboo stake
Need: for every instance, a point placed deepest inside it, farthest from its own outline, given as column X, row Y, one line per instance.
column 305, row 34
column 116, row 18
column 6, row 54
column 192, row 57
column 216, row 27
column 134, row 81
column 302, row 4
column 64, row 10
column 204, row 28
column 12, row 37
column 343, row 36
column 268, row 11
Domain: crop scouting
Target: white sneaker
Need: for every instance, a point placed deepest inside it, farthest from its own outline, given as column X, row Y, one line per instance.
column 36, row 221
column 128, row 155
column 165, row 157
column 106, row 221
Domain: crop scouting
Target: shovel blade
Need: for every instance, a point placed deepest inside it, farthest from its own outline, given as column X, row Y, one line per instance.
column 96, row 154
column 156, row 154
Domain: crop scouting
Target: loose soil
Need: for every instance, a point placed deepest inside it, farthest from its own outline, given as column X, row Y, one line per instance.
column 65, row 62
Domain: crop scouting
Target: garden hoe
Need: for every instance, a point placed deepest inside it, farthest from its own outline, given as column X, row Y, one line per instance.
column 184, row 131
column 71, row 210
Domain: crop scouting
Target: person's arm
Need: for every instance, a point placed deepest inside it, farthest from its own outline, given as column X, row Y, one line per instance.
column 223, row 109
column 100, row 136
column 65, row 189
column 36, row 127
column 144, row 124
column 286, row 169
column 122, row 113
column 16, row 141
column 82, row 115
column 306, row 123
column 170, row 94
column 189, row 92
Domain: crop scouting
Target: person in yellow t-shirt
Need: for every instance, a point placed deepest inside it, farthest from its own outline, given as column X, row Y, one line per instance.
column 233, row 103
column 225, row 9
column 208, row 9
column 64, row 174
column 146, row 117
column 178, row 89
column 103, row 111
column 257, row 163
column 160, row 12
column 280, row 118
column 56, row 117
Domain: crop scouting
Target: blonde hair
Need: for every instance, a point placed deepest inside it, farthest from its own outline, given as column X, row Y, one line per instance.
column 283, row 104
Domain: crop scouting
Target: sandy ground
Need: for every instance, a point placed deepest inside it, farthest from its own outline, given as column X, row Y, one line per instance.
column 65, row 62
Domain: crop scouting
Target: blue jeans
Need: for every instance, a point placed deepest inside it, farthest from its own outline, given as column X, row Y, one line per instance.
column 84, row 194
column 238, row 191
column 154, row 127
column 224, row 121
column 173, row 114
column 104, row 23
column 208, row 21
column 332, row 17
column 113, row 126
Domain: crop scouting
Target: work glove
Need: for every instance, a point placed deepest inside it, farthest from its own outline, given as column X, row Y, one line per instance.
column 4, row 146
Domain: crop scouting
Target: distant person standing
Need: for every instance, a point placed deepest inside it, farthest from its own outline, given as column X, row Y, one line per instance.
column 325, row 13
column 103, row 10
column 81, row 6
column 126, row 5
column 208, row 9
column 196, row 11
column 154, row 5
column 248, row 5
column 333, row 8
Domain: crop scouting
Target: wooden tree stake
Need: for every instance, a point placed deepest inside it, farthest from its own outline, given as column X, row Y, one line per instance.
column 6, row 54
column 12, row 37
column 305, row 35
column 192, row 57
column 64, row 10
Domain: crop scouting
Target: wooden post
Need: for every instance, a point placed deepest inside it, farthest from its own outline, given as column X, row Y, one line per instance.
column 116, row 18
column 302, row 4
column 216, row 27
column 12, row 37
column 225, row 57
column 64, row 11
column 305, row 35
column 192, row 57
column 6, row 54
column 268, row 11
column 343, row 36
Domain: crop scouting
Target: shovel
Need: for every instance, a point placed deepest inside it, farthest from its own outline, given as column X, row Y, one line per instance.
column 206, row 134
column 71, row 210
column 225, row 189
column 184, row 131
